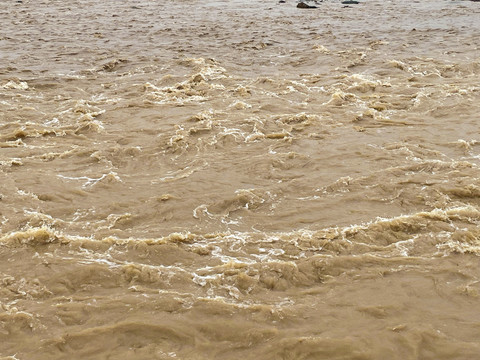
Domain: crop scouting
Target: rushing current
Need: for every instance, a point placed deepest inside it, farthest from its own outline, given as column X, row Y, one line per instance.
column 239, row 179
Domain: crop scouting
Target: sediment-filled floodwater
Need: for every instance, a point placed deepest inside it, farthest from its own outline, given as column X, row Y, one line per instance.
column 239, row 180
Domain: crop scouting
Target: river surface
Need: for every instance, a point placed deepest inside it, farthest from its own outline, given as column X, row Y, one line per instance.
column 239, row 180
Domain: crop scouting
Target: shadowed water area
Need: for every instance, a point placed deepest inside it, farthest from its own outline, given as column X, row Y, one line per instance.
column 239, row 180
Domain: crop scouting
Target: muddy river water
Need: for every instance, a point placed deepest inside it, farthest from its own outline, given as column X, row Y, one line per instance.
column 239, row 179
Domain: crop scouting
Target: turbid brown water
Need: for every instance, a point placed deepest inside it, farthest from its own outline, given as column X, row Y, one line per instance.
column 239, row 180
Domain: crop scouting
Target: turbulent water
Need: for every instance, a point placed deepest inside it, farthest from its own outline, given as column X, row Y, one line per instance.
column 239, row 180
